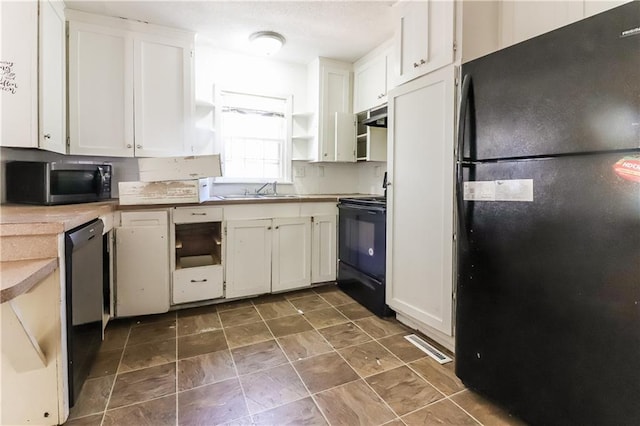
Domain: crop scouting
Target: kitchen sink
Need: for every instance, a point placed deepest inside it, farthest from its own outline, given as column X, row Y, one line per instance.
column 254, row 196
column 279, row 196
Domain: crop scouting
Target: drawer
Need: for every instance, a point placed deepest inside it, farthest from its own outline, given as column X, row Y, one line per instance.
column 197, row 214
column 144, row 218
column 198, row 283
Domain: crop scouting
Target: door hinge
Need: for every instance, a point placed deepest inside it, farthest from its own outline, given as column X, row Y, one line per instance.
column 312, row 220
column 68, row 141
column 455, row 46
column 224, row 286
column 225, row 230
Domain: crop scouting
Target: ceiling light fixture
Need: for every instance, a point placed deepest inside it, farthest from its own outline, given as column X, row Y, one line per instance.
column 266, row 42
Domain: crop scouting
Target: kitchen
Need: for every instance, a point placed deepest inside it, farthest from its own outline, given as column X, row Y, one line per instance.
column 419, row 193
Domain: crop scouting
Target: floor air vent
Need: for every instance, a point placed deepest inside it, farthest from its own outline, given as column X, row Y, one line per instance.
column 428, row 349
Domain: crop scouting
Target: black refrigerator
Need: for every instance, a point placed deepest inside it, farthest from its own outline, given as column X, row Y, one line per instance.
column 548, row 203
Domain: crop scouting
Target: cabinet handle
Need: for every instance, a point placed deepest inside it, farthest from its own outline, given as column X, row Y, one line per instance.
column 422, row 62
column 415, row 65
column 139, row 146
column 129, row 145
column 268, row 228
column 198, row 214
column 325, row 154
column 47, row 135
column 199, row 281
column 277, row 227
column 388, row 183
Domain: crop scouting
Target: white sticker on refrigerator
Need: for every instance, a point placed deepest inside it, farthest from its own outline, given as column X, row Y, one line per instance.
column 499, row 190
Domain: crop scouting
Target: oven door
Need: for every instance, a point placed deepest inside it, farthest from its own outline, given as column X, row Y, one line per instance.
column 362, row 239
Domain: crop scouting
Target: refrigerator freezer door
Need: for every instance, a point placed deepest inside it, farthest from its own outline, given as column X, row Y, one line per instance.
column 576, row 89
column 548, row 297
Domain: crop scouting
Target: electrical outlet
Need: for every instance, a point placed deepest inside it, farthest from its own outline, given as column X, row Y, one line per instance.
column 299, row 172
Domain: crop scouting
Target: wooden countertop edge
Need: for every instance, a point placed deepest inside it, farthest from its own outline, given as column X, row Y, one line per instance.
column 20, row 276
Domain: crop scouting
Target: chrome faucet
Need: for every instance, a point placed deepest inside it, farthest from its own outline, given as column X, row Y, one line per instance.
column 273, row 187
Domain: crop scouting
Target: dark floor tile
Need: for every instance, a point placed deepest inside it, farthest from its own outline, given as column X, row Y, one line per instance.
column 242, row 421
column 201, row 343
column 152, row 319
column 226, row 306
column 325, row 317
column 271, row 388
column 197, row 311
column 301, row 412
column 485, row 411
column 147, row 355
column 309, row 303
column 369, row 358
column 93, row 397
column 304, row 345
column 336, row 298
column 106, row 363
column 442, row 378
column 143, row 385
column 158, row 412
column 403, row 390
column 191, row 323
column 324, row 371
column 239, row 316
column 343, row 335
column 212, row 404
column 156, row 331
column 354, row 311
column 379, row 328
column 259, row 356
column 247, row 334
column 443, row 412
column 268, row 298
column 93, row 420
column 288, row 325
column 115, row 335
column 353, row 404
column 277, row 309
column 205, row 369
column 394, row 422
column 402, row 348
column 296, row 294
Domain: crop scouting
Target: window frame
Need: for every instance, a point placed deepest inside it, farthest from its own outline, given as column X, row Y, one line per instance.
column 286, row 156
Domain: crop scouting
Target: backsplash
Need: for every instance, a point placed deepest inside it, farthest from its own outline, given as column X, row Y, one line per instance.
column 308, row 178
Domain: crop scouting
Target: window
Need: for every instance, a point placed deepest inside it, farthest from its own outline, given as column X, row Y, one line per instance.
column 254, row 135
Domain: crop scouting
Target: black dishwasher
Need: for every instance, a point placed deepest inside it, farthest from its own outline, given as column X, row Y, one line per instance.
column 84, row 294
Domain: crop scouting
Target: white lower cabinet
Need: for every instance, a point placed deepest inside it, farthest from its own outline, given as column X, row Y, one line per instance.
column 198, row 283
column 248, row 257
column 291, row 253
column 420, row 200
column 142, row 263
column 323, row 248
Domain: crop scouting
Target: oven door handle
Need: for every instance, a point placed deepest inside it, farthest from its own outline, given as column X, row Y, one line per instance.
column 369, row 209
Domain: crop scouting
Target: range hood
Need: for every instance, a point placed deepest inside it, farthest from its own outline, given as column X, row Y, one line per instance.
column 377, row 117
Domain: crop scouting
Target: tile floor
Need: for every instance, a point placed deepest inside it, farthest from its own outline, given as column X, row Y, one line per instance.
column 312, row 357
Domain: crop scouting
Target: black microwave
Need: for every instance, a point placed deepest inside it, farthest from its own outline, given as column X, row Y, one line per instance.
column 49, row 183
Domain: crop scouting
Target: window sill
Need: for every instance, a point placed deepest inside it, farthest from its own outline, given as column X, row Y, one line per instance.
column 248, row 181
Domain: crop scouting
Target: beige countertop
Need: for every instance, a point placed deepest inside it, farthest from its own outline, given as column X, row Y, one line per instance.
column 24, row 221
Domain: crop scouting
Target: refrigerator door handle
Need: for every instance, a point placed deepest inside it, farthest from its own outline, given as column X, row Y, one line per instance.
column 464, row 103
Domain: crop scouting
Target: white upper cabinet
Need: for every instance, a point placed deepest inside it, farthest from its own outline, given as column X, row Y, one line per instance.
column 370, row 81
column 333, row 124
column 423, row 38
column 33, row 107
column 130, row 88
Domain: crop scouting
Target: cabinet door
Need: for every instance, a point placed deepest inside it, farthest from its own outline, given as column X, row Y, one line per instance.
column 163, row 97
column 52, row 77
column 100, row 91
column 420, row 199
column 291, row 256
column 335, row 96
column 527, row 19
column 142, row 264
column 424, row 38
column 323, row 249
column 370, row 84
column 19, row 74
column 248, row 260
column 345, row 137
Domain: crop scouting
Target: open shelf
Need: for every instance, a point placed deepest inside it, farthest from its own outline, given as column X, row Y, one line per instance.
column 198, row 244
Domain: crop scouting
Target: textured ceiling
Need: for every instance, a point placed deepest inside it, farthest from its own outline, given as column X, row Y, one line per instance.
column 344, row 30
